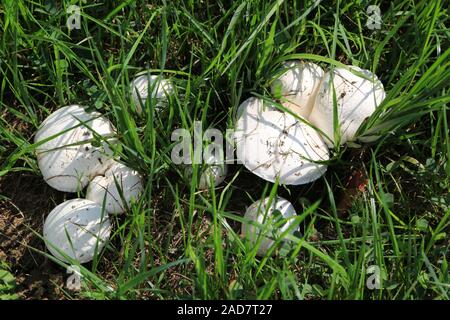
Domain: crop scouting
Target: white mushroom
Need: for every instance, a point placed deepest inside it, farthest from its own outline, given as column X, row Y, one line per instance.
column 356, row 98
column 78, row 228
column 297, row 87
column 160, row 89
column 104, row 188
column 274, row 144
column 69, row 159
column 213, row 170
column 264, row 224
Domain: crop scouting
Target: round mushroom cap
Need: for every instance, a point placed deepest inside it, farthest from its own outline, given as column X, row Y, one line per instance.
column 357, row 98
column 160, row 88
column 297, row 87
column 104, row 188
column 78, row 228
column 270, row 225
column 214, row 170
column 274, row 144
column 70, row 159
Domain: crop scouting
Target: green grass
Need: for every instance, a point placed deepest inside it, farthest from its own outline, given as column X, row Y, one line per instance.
column 7, row 283
column 177, row 242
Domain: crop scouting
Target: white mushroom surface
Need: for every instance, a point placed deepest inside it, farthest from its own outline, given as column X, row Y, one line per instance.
column 356, row 97
column 104, row 188
column 297, row 87
column 263, row 224
column 213, row 171
column 78, row 228
column 160, row 89
column 69, row 159
column 274, row 144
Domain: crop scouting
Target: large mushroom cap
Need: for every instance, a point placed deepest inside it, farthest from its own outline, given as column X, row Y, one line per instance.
column 105, row 188
column 159, row 87
column 357, row 98
column 297, row 87
column 275, row 144
column 66, row 161
column 271, row 225
column 78, row 228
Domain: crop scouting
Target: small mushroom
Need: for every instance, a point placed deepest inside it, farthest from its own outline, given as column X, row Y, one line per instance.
column 271, row 222
column 356, row 97
column 69, row 159
column 213, row 170
column 104, row 188
column 274, row 144
column 78, row 228
column 297, row 87
column 161, row 89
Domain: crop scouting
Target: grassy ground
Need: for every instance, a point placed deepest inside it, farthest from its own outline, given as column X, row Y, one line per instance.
column 382, row 205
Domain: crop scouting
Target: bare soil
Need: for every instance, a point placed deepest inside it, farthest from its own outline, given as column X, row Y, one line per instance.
column 22, row 213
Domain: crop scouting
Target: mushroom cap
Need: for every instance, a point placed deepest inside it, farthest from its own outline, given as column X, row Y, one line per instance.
column 78, row 228
column 213, row 168
column 161, row 90
column 66, row 163
column 272, row 144
column 297, row 87
column 129, row 181
column 357, row 98
column 260, row 213
column 216, row 172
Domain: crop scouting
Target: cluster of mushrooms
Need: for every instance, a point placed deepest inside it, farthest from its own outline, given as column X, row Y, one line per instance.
column 74, row 151
column 291, row 146
column 288, row 146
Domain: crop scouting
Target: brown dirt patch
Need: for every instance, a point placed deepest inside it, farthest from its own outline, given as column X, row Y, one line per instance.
column 28, row 200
